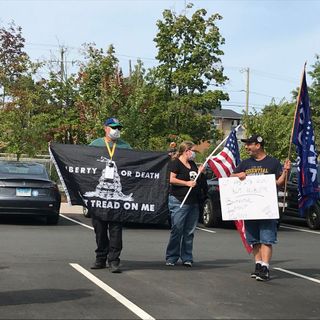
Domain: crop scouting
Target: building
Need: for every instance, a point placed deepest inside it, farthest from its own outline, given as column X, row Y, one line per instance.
column 225, row 120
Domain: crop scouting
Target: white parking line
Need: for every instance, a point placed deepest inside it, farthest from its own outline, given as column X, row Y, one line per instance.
column 123, row 300
column 206, row 230
column 298, row 275
column 298, row 229
column 89, row 227
column 75, row 221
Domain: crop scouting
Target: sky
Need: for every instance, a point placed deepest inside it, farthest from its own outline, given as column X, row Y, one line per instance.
column 271, row 39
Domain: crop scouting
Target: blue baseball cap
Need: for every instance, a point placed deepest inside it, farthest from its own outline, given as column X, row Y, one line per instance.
column 112, row 122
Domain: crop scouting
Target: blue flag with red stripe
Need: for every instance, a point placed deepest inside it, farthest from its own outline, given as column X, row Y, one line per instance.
column 303, row 138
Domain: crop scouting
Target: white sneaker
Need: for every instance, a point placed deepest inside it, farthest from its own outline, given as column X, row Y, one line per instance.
column 187, row 264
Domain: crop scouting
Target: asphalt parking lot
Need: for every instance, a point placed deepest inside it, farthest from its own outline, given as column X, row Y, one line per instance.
column 45, row 272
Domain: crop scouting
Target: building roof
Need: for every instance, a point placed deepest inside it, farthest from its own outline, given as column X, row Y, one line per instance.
column 226, row 114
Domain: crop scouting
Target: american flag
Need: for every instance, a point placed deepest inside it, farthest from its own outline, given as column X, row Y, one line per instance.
column 223, row 165
column 225, row 162
column 303, row 138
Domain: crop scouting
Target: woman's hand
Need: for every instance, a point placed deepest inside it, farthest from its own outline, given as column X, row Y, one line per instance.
column 201, row 168
column 191, row 184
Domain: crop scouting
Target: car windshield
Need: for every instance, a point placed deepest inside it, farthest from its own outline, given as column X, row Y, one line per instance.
column 16, row 168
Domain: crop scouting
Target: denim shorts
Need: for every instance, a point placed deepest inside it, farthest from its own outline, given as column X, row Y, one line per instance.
column 261, row 231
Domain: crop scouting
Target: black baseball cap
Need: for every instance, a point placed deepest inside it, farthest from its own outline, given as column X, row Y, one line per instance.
column 255, row 138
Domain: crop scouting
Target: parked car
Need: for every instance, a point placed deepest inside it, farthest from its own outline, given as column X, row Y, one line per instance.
column 25, row 188
column 211, row 211
column 311, row 215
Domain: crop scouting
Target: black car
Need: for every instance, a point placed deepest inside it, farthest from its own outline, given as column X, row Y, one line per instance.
column 311, row 215
column 25, row 188
column 211, row 211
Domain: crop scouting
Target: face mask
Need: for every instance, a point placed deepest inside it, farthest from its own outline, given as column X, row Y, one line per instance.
column 114, row 134
column 192, row 156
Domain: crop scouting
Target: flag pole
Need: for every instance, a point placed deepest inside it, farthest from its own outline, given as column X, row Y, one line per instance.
column 207, row 159
column 292, row 129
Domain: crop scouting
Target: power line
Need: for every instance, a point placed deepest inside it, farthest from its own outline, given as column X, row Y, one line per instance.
column 80, row 48
column 274, row 76
column 251, row 92
column 255, row 71
column 241, row 104
column 51, row 45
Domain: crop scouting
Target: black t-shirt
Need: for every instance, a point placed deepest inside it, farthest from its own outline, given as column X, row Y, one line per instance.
column 186, row 174
column 267, row 165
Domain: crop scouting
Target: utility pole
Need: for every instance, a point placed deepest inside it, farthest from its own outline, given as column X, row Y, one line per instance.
column 130, row 69
column 64, row 100
column 247, row 92
column 62, row 52
column 247, row 70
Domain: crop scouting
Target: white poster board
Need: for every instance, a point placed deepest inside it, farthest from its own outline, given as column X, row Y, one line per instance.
column 253, row 198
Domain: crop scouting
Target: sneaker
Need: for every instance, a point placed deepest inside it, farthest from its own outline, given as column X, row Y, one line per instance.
column 115, row 267
column 263, row 274
column 187, row 264
column 170, row 264
column 99, row 264
column 256, row 271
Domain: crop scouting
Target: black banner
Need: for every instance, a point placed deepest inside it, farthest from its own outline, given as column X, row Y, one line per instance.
column 132, row 187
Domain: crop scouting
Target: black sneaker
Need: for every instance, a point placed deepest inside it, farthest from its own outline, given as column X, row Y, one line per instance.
column 99, row 264
column 256, row 271
column 115, row 267
column 263, row 274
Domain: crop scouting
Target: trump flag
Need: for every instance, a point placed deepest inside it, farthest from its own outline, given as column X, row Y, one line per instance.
column 303, row 138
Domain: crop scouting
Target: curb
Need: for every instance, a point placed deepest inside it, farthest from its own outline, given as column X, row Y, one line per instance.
column 66, row 208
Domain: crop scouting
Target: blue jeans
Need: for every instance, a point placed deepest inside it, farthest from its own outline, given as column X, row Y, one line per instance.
column 183, row 224
column 261, row 231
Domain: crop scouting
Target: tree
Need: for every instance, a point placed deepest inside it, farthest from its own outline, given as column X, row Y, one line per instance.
column 100, row 94
column 274, row 124
column 276, row 121
column 62, row 96
column 314, row 94
column 22, row 118
column 189, row 62
column 13, row 60
column 188, row 52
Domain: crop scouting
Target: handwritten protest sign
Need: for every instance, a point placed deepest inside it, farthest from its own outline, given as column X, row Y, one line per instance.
column 252, row 198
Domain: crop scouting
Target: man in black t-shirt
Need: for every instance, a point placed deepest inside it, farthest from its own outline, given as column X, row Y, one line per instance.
column 261, row 234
